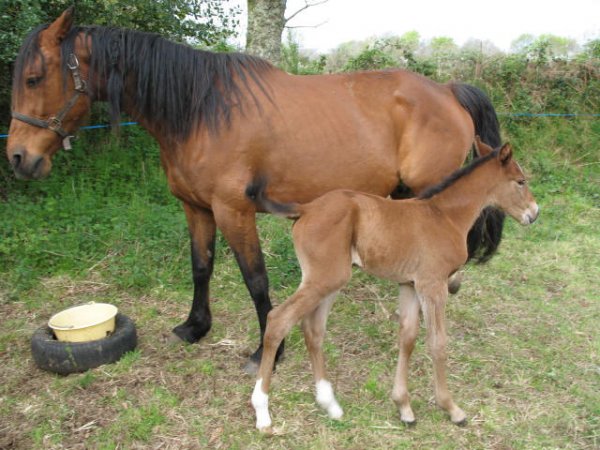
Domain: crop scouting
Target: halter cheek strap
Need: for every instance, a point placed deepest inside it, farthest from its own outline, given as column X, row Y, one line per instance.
column 54, row 123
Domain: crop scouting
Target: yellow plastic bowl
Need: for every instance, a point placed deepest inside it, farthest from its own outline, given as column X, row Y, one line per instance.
column 84, row 323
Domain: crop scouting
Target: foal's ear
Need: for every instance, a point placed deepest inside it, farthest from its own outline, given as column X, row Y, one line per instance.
column 481, row 147
column 57, row 30
column 505, row 154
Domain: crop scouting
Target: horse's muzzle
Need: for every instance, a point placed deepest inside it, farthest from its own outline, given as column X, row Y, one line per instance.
column 27, row 166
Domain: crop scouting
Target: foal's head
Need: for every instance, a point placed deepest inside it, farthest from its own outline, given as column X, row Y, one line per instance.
column 511, row 193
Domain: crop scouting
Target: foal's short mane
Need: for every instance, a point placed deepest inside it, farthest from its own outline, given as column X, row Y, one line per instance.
column 456, row 175
column 176, row 87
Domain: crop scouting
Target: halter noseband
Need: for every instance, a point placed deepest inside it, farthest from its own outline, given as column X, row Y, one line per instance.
column 54, row 123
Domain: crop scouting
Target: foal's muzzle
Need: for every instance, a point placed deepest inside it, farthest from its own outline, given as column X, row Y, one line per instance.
column 531, row 214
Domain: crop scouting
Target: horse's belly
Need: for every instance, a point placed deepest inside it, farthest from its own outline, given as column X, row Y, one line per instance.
column 302, row 177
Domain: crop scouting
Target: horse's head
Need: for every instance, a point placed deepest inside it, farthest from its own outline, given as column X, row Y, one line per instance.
column 49, row 98
column 512, row 193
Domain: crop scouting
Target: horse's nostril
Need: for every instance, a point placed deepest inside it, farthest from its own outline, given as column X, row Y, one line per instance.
column 16, row 160
column 37, row 164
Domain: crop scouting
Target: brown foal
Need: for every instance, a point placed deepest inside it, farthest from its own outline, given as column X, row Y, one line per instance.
column 418, row 243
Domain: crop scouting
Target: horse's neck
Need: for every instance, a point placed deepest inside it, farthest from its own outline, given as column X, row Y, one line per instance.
column 463, row 201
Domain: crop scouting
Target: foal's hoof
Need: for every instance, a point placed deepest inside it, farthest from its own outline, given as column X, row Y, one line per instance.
column 266, row 431
column 461, row 423
column 459, row 418
column 409, row 423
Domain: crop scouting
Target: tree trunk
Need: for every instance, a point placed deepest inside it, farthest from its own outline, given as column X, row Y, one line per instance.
column 266, row 21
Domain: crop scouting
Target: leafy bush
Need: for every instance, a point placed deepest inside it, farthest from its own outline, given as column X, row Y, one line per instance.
column 371, row 58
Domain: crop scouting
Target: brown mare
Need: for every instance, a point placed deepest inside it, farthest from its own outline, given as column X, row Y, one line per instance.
column 222, row 120
column 417, row 243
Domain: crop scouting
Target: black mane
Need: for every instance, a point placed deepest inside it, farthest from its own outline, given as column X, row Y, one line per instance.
column 456, row 175
column 175, row 87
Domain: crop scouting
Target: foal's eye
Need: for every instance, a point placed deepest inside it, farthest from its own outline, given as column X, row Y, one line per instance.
column 33, row 81
column 521, row 182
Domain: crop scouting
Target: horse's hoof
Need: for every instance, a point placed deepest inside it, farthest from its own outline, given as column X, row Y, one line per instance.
column 190, row 333
column 251, row 367
column 173, row 339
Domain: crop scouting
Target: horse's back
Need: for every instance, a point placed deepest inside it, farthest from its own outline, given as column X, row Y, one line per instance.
column 385, row 122
column 312, row 134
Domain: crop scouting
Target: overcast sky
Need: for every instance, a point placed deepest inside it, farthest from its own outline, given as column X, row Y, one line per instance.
column 500, row 21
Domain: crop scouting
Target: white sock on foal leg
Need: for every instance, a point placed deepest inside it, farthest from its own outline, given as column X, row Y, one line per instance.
column 260, row 402
column 327, row 401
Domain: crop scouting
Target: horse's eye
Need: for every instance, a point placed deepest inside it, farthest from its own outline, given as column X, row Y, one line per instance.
column 33, row 81
column 521, row 182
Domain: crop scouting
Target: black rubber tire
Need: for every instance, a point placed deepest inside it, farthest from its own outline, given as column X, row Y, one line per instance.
column 69, row 357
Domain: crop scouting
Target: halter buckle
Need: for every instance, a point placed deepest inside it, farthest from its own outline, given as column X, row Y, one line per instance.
column 73, row 65
column 54, row 124
column 73, row 62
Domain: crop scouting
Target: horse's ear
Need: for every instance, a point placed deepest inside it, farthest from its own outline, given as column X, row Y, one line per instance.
column 505, row 154
column 481, row 147
column 57, row 30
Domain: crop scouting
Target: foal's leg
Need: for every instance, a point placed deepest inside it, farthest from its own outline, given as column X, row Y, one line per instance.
column 408, row 307
column 280, row 322
column 309, row 297
column 239, row 229
column 433, row 298
column 201, row 224
column 313, row 326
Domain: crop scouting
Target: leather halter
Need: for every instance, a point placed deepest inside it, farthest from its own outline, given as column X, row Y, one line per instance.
column 54, row 123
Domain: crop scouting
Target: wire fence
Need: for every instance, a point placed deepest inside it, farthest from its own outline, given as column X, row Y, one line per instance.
column 125, row 124
column 90, row 127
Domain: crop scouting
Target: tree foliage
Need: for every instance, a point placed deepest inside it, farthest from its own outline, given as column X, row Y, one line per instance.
column 545, row 47
column 541, row 75
column 294, row 61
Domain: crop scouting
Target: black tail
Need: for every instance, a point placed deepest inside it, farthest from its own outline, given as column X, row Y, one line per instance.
column 485, row 236
column 255, row 191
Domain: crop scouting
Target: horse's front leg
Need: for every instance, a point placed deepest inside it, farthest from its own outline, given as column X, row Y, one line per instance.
column 239, row 229
column 202, row 227
column 432, row 297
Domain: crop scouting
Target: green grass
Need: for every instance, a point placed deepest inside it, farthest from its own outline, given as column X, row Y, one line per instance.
column 524, row 344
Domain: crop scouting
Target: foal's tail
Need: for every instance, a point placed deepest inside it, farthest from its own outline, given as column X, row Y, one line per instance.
column 486, row 234
column 255, row 191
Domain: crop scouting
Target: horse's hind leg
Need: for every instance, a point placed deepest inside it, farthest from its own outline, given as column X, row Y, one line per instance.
column 313, row 327
column 408, row 309
column 239, row 229
column 201, row 224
